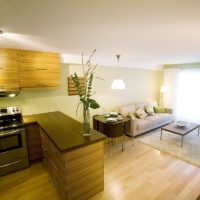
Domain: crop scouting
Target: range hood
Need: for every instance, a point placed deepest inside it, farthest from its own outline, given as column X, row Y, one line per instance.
column 10, row 93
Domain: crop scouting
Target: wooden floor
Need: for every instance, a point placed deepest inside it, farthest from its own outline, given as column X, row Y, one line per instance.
column 138, row 173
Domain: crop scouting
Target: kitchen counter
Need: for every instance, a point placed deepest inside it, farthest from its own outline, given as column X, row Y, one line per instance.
column 58, row 140
column 65, row 132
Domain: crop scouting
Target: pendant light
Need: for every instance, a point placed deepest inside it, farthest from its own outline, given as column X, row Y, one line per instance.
column 118, row 83
column 1, row 33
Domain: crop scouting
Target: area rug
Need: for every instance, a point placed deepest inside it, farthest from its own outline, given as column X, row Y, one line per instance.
column 171, row 144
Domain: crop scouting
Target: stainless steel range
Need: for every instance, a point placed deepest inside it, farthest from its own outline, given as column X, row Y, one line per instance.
column 13, row 148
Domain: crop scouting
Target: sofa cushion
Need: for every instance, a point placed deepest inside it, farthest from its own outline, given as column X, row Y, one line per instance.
column 155, row 119
column 124, row 110
column 164, row 116
column 143, row 123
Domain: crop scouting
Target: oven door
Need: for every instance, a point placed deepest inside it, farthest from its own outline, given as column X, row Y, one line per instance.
column 13, row 151
column 11, row 140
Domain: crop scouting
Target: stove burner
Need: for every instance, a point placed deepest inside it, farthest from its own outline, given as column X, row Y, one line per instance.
column 10, row 118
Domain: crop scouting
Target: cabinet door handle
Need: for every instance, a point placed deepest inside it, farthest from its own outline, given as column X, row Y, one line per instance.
column 41, row 69
column 55, row 181
column 42, row 85
column 52, row 148
column 6, row 133
column 41, row 134
column 56, row 168
column 12, row 163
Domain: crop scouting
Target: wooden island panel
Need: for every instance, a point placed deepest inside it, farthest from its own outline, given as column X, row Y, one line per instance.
column 75, row 163
column 78, row 174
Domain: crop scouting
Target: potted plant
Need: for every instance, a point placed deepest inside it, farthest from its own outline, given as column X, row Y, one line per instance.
column 86, row 92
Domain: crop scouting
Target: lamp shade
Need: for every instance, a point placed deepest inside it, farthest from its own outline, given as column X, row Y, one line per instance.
column 118, row 84
column 164, row 89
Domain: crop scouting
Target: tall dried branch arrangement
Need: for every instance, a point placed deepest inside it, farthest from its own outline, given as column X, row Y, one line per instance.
column 85, row 92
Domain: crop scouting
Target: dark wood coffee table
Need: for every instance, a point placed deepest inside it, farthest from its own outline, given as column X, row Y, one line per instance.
column 182, row 131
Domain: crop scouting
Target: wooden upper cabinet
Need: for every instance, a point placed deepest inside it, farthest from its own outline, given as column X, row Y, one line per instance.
column 9, row 71
column 39, row 69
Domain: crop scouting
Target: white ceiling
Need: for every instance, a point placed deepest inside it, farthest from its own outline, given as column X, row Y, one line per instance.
column 147, row 33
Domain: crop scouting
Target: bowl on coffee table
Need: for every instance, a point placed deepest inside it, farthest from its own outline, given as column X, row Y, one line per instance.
column 181, row 124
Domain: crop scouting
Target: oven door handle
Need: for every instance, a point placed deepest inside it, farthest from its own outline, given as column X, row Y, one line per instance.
column 7, row 133
column 12, row 163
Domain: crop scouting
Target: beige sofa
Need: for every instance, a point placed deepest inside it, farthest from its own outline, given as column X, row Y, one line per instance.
column 139, row 126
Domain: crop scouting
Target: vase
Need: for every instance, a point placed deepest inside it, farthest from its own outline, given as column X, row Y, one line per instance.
column 86, row 121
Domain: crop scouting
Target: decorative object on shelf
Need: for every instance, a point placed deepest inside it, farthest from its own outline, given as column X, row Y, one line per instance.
column 118, row 83
column 72, row 89
column 85, row 92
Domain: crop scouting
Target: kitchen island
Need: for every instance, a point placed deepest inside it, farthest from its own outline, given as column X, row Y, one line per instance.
column 75, row 162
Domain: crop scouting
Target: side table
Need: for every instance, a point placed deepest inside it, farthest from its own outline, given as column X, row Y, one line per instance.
column 113, row 130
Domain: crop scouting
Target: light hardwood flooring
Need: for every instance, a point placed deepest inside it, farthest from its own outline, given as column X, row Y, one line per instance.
column 138, row 173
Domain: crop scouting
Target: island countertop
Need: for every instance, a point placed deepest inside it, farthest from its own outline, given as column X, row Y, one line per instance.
column 65, row 132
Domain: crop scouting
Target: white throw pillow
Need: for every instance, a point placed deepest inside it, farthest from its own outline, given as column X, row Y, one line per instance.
column 149, row 110
column 140, row 113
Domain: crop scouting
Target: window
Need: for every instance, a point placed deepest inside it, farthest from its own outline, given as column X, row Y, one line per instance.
column 188, row 95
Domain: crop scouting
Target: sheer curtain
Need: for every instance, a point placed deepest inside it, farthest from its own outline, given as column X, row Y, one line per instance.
column 183, row 94
column 188, row 95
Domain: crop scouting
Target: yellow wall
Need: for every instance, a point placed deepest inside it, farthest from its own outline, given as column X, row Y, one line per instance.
column 142, row 86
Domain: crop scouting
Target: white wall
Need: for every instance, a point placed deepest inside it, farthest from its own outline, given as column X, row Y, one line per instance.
column 142, row 86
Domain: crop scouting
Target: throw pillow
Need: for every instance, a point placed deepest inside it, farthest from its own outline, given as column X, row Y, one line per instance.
column 140, row 113
column 159, row 109
column 149, row 110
